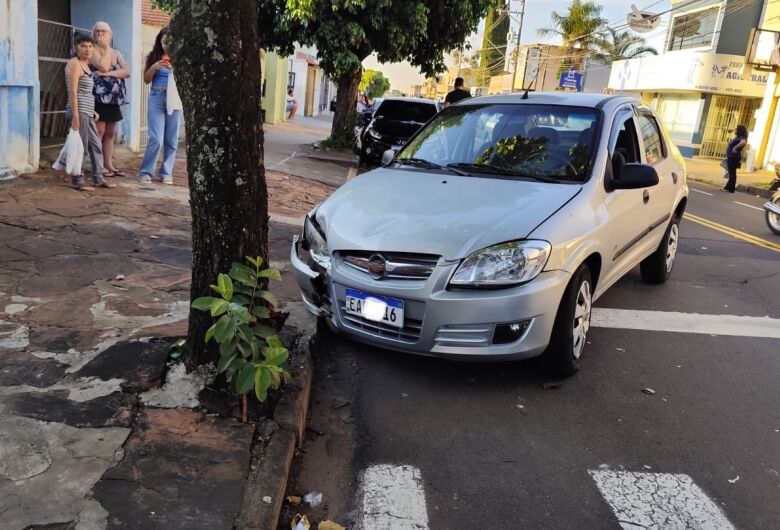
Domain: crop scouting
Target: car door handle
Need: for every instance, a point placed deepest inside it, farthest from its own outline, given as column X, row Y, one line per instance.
column 646, row 197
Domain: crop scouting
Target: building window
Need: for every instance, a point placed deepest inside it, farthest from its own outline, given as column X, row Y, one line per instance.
column 693, row 30
column 680, row 115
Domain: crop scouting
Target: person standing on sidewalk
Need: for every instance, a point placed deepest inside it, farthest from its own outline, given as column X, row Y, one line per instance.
column 110, row 71
column 458, row 94
column 734, row 156
column 81, row 111
column 163, row 114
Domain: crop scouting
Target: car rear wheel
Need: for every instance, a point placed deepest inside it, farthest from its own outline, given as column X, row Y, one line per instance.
column 657, row 267
column 572, row 323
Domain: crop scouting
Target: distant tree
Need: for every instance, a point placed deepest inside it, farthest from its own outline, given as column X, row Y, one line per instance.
column 580, row 29
column 494, row 41
column 374, row 84
column 345, row 32
column 615, row 46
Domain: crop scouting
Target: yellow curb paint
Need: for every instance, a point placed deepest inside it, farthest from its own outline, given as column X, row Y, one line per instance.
column 738, row 234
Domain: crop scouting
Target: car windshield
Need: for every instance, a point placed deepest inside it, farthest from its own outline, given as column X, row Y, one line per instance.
column 406, row 111
column 542, row 142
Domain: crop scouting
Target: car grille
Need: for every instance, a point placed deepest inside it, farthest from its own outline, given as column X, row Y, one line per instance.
column 410, row 333
column 464, row 335
column 400, row 266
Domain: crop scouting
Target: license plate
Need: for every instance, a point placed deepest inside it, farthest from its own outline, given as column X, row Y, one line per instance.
column 375, row 308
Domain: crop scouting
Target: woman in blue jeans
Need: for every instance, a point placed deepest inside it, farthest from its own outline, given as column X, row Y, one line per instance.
column 163, row 114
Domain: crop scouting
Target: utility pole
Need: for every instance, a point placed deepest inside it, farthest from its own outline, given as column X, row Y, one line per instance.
column 517, row 45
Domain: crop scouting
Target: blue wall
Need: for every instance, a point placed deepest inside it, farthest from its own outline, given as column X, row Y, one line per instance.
column 19, row 89
column 121, row 17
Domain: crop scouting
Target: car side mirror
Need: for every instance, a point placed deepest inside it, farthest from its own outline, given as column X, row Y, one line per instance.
column 635, row 176
column 387, row 157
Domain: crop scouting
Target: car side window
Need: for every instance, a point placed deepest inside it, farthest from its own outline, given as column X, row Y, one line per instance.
column 627, row 143
column 651, row 136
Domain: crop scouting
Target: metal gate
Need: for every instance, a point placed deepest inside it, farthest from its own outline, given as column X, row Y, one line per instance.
column 726, row 112
column 55, row 48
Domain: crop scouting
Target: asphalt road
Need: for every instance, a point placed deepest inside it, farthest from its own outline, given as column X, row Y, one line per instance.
column 487, row 446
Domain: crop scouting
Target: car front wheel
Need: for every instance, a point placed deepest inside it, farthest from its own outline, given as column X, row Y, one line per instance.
column 570, row 331
column 657, row 267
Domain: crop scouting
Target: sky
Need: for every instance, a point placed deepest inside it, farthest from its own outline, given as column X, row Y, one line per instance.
column 537, row 15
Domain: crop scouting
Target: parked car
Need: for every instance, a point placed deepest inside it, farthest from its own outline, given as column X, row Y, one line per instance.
column 390, row 125
column 490, row 236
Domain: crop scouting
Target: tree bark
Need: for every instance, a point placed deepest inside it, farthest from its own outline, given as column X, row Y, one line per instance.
column 216, row 62
column 343, row 131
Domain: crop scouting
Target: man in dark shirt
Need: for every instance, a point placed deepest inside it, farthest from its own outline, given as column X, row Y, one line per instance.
column 457, row 94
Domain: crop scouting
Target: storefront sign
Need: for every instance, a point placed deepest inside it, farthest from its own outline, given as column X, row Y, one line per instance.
column 642, row 21
column 571, row 79
column 689, row 71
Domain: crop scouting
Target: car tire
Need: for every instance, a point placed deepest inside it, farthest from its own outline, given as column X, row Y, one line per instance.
column 572, row 322
column 772, row 219
column 657, row 267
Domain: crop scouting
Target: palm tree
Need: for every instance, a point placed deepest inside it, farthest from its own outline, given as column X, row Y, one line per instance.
column 580, row 29
column 616, row 46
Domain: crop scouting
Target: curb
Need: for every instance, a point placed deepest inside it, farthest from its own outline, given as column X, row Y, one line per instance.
column 266, row 481
column 752, row 190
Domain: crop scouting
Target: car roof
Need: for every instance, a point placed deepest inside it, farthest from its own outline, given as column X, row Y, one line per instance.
column 410, row 100
column 549, row 98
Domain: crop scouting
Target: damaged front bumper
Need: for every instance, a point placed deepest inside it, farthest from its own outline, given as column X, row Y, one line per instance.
column 310, row 282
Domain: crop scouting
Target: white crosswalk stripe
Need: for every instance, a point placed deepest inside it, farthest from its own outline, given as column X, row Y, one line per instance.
column 661, row 501
column 392, row 498
column 731, row 325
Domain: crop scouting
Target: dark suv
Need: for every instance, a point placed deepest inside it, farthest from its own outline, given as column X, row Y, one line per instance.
column 391, row 125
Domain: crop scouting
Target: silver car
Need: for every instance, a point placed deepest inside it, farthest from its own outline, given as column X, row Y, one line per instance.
column 493, row 231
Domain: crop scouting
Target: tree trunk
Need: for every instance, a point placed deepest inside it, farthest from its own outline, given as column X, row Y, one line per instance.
column 344, row 118
column 216, row 60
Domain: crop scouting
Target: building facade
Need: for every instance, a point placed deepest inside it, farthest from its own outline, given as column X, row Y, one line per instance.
column 701, row 85
column 36, row 40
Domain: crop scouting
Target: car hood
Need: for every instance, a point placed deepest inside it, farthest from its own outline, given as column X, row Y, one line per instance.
column 395, row 210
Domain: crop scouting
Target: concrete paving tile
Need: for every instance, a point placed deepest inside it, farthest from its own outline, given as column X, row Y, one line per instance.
column 113, row 410
column 57, row 493
column 181, row 470
column 22, row 368
column 140, row 364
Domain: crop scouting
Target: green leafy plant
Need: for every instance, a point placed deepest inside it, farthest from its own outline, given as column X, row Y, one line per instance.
column 251, row 354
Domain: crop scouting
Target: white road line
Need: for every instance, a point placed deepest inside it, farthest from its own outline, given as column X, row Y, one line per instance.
column 702, row 192
column 392, row 498
column 658, row 500
column 749, row 206
column 731, row 325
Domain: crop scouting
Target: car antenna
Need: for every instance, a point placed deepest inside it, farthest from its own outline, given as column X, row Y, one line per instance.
column 533, row 81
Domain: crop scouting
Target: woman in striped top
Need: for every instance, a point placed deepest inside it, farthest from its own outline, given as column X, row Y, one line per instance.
column 81, row 106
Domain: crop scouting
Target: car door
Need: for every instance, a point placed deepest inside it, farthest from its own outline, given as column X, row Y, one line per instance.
column 626, row 213
column 655, row 153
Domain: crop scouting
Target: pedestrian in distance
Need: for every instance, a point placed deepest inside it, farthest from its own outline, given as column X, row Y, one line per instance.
column 110, row 71
column 80, row 110
column 734, row 156
column 292, row 105
column 458, row 94
column 164, row 113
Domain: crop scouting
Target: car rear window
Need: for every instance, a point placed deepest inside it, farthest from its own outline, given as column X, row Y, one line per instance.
column 406, row 111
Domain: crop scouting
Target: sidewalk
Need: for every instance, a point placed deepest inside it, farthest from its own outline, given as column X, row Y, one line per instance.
column 94, row 287
column 709, row 172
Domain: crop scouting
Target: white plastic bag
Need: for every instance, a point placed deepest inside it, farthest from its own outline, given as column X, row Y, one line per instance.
column 172, row 100
column 72, row 154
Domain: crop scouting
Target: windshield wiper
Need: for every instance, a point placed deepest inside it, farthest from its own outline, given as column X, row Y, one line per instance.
column 497, row 170
column 421, row 162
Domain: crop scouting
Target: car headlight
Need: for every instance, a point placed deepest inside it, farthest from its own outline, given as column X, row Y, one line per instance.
column 316, row 244
column 503, row 265
column 375, row 135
